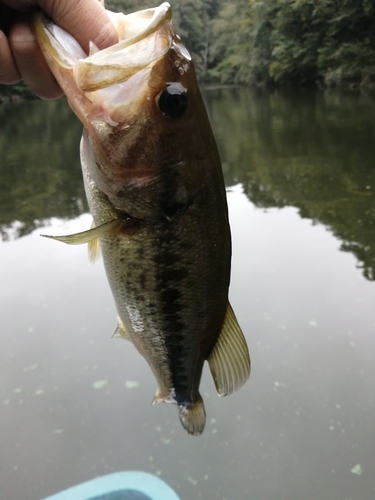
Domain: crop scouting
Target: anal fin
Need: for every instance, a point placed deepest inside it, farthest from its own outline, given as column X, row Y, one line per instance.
column 229, row 359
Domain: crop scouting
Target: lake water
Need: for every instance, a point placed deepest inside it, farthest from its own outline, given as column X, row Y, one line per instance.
column 75, row 404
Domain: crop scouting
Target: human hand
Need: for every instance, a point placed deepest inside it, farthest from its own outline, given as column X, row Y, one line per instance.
column 20, row 55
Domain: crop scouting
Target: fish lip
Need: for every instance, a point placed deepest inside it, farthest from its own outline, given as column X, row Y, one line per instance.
column 103, row 68
column 45, row 31
column 160, row 14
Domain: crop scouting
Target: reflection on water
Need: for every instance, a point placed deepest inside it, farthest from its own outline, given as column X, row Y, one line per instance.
column 311, row 151
column 75, row 404
column 40, row 174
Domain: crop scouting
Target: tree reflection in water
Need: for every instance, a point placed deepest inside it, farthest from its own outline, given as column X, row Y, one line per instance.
column 310, row 150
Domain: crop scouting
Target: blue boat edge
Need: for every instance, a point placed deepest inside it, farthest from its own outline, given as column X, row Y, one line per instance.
column 117, row 483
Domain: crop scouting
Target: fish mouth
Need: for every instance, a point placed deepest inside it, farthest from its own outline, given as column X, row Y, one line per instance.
column 144, row 37
column 107, row 88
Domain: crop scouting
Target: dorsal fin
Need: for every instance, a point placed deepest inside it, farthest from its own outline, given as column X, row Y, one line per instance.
column 229, row 360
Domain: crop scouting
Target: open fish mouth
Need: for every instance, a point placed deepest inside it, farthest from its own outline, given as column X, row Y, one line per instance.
column 112, row 84
column 144, row 37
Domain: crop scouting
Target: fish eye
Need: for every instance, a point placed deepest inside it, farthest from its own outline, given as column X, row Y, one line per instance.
column 173, row 101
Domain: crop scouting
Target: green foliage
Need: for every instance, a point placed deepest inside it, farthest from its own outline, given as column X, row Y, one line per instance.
column 192, row 20
column 260, row 42
column 305, row 42
column 284, row 42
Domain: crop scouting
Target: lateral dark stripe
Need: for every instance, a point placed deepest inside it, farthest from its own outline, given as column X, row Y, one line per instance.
column 170, row 277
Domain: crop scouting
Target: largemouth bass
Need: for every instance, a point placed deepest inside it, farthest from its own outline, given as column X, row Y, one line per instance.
column 155, row 188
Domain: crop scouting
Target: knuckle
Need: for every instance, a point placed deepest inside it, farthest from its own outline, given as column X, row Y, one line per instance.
column 9, row 73
column 22, row 40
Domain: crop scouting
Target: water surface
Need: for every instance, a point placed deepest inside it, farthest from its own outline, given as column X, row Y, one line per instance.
column 75, row 404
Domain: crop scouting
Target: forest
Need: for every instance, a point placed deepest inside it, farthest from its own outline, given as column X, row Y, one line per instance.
column 321, row 43
column 276, row 42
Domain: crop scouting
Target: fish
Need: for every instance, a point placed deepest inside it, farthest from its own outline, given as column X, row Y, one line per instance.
column 155, row 189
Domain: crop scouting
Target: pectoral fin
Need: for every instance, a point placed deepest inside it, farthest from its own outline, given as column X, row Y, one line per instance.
column 111, row 227
column 229, row 360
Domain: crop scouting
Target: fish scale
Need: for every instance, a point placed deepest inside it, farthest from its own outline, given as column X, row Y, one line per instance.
column 173, row 319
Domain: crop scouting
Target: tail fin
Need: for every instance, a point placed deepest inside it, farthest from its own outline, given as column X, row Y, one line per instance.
column 193, row 417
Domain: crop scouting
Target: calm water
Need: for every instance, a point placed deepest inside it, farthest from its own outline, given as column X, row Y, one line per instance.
column 75, row 404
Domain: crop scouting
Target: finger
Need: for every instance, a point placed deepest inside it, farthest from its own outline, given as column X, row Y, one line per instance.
column 31, row 63
column 85, row 20
column 8, row 17
column 21, row 5
column 9, row 73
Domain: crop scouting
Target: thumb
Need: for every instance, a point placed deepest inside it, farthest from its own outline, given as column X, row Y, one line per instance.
column 86, row 20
